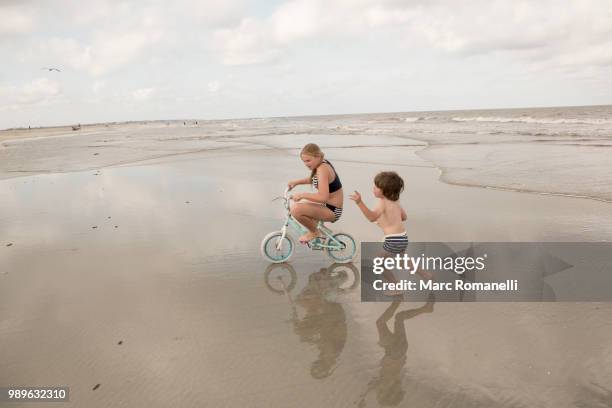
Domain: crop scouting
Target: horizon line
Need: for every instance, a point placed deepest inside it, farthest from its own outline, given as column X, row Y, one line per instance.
column 296, row 116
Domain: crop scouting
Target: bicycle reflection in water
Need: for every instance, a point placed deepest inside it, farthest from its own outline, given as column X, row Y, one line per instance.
column 323, row 324
column 317, row 317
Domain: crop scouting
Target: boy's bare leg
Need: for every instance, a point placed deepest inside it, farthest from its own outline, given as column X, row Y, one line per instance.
column 426, row 275
column 381, row 322
column 390, row 277
column 409, row 314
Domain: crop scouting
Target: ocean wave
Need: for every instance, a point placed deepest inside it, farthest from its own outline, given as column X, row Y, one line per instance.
column 399, row 119
column 529, row 119
column 345, row 129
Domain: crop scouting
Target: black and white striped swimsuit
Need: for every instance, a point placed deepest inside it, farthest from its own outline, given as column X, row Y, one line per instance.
column 336, row 210
column 396, row 243
column 335, row 185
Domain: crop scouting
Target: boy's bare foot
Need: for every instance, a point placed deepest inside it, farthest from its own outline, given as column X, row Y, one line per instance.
column 393, row 293
column 429, row 306
column 425, row 274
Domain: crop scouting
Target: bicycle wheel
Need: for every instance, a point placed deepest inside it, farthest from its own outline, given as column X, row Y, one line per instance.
column 349, row 274
column 280, row 278
column 269, row 250
column 348, row 250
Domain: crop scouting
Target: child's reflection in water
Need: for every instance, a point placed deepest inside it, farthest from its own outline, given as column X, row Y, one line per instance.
column 324, row 322
column 388, row 383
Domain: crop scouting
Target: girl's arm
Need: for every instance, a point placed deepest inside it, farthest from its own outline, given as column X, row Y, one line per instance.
column 373, row 214
column 320, row 196
column 293, row 183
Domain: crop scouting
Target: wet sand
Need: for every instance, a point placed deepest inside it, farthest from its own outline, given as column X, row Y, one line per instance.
column 154, row 244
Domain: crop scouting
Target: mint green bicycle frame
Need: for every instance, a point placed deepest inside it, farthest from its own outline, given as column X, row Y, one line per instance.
column 291, row 222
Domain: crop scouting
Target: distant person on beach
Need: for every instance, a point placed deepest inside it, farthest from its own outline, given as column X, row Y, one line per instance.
column 326, row 203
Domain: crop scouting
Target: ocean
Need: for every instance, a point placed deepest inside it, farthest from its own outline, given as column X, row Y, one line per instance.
column 562, row 150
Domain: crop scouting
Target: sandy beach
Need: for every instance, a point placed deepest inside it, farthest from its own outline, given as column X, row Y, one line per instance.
column 130, row 270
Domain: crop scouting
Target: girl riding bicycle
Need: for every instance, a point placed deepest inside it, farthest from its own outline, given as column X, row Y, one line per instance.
column 326, row 203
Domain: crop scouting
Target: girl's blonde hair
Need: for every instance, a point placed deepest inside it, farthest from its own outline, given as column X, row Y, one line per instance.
column 314, row 150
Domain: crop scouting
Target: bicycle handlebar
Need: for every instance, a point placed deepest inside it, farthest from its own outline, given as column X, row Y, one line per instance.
column 284, row 196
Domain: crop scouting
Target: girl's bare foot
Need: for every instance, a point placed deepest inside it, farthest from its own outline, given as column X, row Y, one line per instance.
column 308, row 237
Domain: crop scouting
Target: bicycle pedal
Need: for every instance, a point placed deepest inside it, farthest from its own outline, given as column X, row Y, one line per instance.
column 315, row 244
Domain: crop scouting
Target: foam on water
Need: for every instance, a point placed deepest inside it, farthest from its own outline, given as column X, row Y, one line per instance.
column 528, row 119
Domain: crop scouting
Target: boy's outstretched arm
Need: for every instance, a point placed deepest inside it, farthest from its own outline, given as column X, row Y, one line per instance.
column 371, row 215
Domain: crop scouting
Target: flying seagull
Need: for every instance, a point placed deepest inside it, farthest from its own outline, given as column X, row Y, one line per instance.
column 51, row 69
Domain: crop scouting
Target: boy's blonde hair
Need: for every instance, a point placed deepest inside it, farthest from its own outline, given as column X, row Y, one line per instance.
column 390, row 183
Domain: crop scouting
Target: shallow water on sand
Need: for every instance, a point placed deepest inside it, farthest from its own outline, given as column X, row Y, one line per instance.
column 546, row 150
column 172, row 271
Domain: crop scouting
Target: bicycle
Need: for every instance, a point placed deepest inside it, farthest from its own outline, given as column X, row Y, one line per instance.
column 278, row 246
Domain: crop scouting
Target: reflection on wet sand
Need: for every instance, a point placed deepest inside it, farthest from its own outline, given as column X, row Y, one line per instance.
column 323, row 323
column 388, row 383
column 317, row 318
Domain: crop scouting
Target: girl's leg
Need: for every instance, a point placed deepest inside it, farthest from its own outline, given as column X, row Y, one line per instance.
column 309, row 214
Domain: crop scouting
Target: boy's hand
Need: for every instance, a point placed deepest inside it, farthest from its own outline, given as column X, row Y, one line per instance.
column 356, row 197
column 291, row 184
column 296, row 196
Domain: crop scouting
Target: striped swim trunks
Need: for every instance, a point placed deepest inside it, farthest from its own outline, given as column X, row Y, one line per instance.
column 396, row 243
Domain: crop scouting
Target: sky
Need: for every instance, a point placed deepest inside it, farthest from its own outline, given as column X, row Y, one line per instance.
column 204, row 59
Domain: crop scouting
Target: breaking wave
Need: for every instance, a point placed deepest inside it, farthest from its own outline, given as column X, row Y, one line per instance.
column 529, row 119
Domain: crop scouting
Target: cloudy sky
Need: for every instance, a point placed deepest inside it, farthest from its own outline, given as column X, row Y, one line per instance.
column 239, row 58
